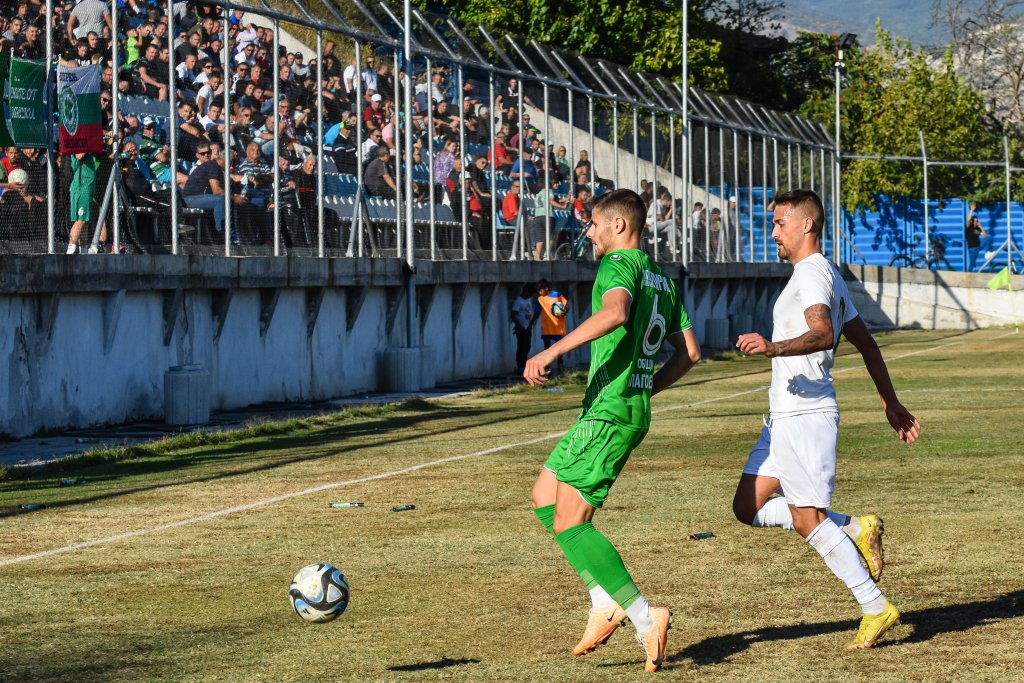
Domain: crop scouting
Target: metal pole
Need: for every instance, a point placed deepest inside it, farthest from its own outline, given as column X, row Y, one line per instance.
column 821, row 171
column 277, row 139
column 51, row 217
column 837, row 200
column 411, row 310
column 707, row 190
column 615, row 140
column 799, row 165
column 764, row 196
column 399, row 192
column 172, row 95
column 750, row 194
column 924, row 165
column 494, row 169
column 593, row 153
column 226, row 51
column 1009, row 207
column 430, row 160
column 673, row 234
column 357, row 226
column 636, row 147
column 547, row 178
column 688, row 191
column 115, row 109
column 462, row 155
column 319, row 143
column 520, row 219
column 685, row 142
column 726, row 228
column 810, row 174
column 654, row 179
column 572, row 146
column 736, row 188
column 789, row 166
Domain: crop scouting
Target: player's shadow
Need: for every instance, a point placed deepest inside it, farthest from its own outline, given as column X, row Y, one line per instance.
column 443, row 663
column 927, row 623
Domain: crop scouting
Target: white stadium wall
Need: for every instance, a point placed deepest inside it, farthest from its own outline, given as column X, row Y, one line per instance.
column 88, row 340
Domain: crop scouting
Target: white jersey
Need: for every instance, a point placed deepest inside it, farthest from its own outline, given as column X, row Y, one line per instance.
column 803, row 384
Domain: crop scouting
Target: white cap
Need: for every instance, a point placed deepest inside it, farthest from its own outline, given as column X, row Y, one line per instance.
column 376, row 97
column 148, row 121
column 732, row 198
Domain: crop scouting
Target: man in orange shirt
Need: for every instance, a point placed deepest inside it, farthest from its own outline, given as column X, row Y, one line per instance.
column 553, row 309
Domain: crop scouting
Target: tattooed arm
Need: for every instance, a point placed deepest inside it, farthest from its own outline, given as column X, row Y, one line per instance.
column 819, row 337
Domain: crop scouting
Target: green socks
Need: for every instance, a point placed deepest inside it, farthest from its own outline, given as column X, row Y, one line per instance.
column 546, row 515
column 596, row 560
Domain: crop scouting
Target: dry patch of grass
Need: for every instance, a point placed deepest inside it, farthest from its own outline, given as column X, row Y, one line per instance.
column 469, row 587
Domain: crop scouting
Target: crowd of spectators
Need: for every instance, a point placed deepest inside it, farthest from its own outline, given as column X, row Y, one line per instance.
column 82, row 34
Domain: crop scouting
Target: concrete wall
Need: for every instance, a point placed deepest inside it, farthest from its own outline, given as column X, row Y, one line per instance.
column 87, row 340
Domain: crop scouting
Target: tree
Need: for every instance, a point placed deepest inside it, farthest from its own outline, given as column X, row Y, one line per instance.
column 892, row 92
column 989, row 51
column 649, row 32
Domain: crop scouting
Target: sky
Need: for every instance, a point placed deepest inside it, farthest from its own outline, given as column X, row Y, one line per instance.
column 910, row 18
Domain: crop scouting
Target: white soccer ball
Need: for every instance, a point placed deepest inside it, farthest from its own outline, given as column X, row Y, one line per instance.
column 558, row 309
column 319, row 592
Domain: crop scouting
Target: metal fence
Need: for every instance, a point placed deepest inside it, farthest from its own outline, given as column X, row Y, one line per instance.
column 447, row 84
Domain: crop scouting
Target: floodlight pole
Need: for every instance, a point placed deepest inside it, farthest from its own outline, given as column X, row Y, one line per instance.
column 685, row 161
column 837, row 202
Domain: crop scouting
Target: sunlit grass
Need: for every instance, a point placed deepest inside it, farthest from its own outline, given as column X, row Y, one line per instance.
column 468, row 586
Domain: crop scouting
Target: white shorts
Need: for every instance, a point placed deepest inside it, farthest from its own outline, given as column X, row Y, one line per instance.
column 799, row 451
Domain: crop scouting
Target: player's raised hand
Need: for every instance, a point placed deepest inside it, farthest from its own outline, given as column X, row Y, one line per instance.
column 905, row 424
column 753, row 343
column 536, row 372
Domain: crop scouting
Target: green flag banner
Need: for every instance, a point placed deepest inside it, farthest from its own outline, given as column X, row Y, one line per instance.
column 5, row 131
column 1002, row 279
column 78, row 100
column 25, row 100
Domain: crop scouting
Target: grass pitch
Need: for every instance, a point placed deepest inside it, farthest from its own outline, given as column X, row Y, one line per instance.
column 469, row 587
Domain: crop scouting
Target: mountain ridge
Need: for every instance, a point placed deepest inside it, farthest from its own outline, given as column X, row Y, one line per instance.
column 900, row 17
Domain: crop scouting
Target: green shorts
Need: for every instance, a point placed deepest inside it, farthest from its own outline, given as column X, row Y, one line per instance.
column 591, row 455
column 81, row 202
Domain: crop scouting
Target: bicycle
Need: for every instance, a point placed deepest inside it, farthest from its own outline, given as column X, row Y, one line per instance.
column 936, row 260
column 572, row 242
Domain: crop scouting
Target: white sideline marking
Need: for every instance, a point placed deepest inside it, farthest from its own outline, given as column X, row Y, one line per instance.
column 383, row 475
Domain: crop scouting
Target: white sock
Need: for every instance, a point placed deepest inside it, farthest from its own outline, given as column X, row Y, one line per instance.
column 72, row 249
column 640, row 614
column 599, row 599
column 841, row 556
column 776, row 513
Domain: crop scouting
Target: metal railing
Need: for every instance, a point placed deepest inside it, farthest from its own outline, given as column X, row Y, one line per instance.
column 631, row 124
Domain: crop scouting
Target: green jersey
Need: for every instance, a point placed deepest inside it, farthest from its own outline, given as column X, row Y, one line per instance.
column 622, row 361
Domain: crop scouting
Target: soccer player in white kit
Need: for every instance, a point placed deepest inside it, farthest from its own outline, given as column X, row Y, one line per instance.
column 796, row 454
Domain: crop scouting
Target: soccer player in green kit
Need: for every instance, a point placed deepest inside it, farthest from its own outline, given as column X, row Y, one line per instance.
column 636, row 309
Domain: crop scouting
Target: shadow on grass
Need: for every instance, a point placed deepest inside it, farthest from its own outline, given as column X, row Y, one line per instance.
column 443, row 663
column 927, row 623
column 265, row 447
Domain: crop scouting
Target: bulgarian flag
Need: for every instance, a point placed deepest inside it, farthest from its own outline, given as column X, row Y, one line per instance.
column 78, row 99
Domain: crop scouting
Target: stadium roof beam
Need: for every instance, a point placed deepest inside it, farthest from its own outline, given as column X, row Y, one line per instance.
column 344, row 29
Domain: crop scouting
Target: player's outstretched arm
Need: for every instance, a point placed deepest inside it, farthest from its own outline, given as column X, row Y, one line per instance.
column 818, row 337
column 905, row 424
column 685, row 355
column 614, row 312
